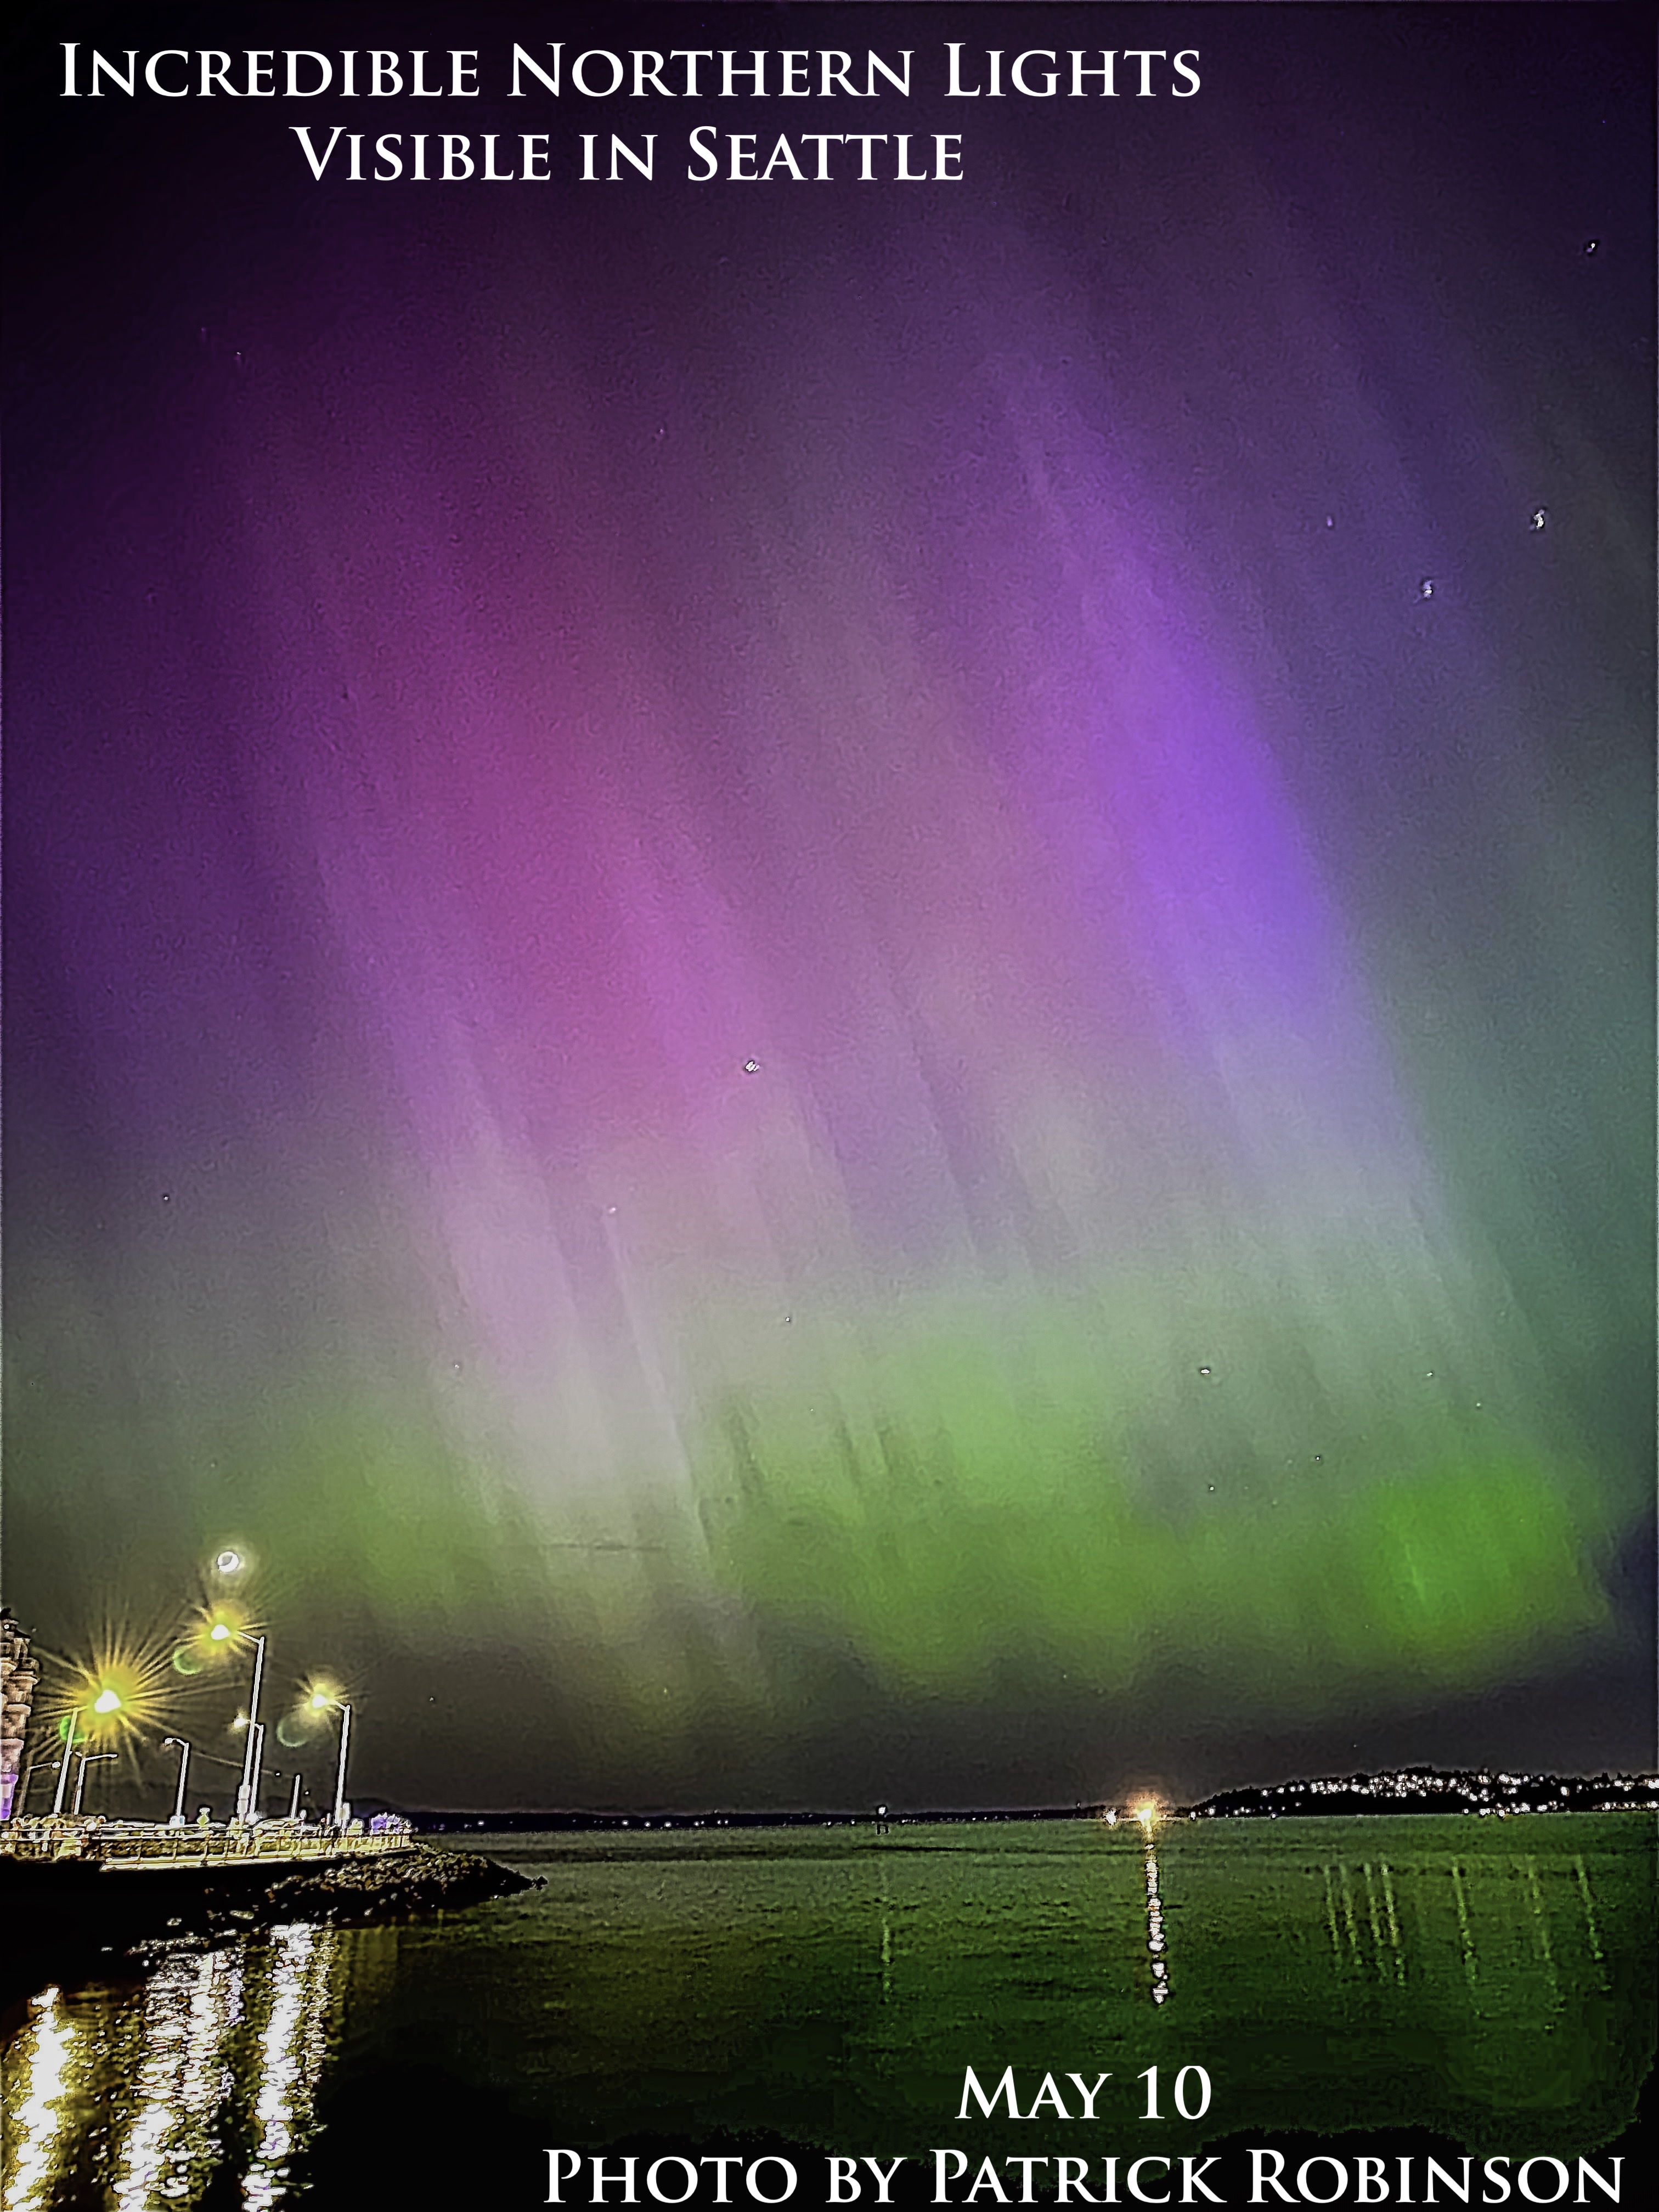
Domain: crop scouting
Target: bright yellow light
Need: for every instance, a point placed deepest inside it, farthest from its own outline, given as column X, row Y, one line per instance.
column 220, row 1628
column 1146, row 1815
column 124, row 1684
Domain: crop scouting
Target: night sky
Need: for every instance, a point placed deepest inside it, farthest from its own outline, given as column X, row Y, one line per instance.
column 843, row 991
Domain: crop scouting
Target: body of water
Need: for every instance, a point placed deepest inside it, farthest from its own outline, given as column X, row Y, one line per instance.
column 824, row 1991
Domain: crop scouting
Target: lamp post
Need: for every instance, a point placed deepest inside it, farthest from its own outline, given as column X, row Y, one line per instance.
column 29, row 1772
column 320, row 1701
column 178, row 1819
column 87, row 1759
column 106, row 1702
column 63, row 1767
column 340, row 1775
column 257, row 1746
column 221, row 1633
column 294, row 1801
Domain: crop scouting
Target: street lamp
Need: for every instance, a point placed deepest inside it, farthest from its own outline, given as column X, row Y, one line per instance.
column 223, row 1633
column 29, row 1772
column 106, row 1702
column 257, row 1734
column 320, row 1702
column 183, row 1748
column 87, row 1759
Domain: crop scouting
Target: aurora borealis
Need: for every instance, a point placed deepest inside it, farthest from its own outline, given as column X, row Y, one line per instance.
column 844, row 992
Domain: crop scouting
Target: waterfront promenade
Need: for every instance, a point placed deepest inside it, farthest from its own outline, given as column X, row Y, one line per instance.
column 139, row 1846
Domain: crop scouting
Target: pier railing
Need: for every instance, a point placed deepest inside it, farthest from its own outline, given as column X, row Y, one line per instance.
column 134, row 1843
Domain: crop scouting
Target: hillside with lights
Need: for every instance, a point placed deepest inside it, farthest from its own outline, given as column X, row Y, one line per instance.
column 1428, row 1789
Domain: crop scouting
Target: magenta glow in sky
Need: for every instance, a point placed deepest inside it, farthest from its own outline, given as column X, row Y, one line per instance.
column 838, row 994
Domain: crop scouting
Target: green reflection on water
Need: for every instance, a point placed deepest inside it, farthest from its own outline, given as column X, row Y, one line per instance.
column 1490, row 1979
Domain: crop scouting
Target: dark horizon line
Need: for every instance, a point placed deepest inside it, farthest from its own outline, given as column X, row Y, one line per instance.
column 1449, row 1779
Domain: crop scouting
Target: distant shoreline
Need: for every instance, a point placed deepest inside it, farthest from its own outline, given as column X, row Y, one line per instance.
column 1410, row 1790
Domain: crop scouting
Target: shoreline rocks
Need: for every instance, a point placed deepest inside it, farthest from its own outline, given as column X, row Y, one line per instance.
column 66, row 1921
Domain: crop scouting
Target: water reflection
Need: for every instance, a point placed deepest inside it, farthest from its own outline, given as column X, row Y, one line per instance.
column 1591, row 1928
column 291, row 2051
column 1513, row 1925
column 144, row 2094
column 38, row 2117
column 184, row 2073
column 806, row 1984
column 1155, row 1929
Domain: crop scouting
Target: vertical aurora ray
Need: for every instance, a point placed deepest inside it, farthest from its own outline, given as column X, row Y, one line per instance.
column 710, row 921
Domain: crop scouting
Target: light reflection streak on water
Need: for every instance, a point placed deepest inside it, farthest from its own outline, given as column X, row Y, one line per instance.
column 208, row 2075
column 1394, row 1923
column 291, row 2057
column 1348, row 1920
column 1513, row 1887
column 1589, row 1909
column 1371, row 1911
column 39, row 2066
column 159, row 2076
column 1463, row 1923
column 1387, row 1954
column 1540, row 1924
column 1155, row 1929
column 1330, row 1919
column 169, row 2009
column 185, row 2077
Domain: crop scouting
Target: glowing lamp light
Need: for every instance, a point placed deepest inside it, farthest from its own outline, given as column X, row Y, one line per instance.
column 106, row 1701
column 229, row 1563
column 1146, row 1815
column 218, row 1633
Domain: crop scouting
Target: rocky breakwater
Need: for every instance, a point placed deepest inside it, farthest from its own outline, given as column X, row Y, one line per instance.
column 71, row 1920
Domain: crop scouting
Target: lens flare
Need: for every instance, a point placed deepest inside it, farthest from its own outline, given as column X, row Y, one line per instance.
column 121, row 1693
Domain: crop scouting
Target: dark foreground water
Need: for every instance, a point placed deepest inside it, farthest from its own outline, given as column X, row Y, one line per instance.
column 807, row 1992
